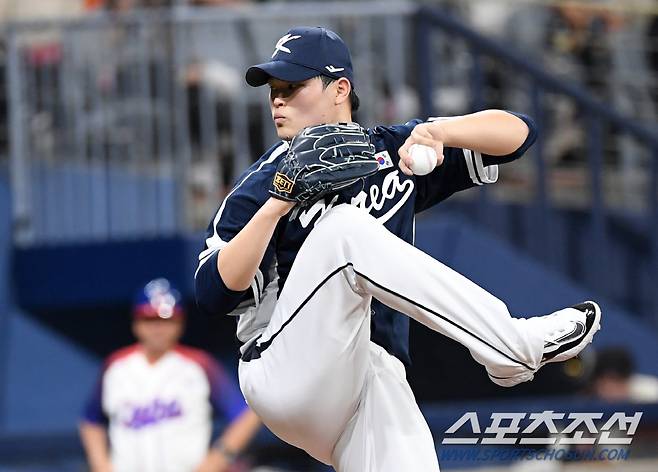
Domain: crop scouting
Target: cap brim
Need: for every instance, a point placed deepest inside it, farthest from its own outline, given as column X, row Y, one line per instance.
column 147, row 312
column 259, row 74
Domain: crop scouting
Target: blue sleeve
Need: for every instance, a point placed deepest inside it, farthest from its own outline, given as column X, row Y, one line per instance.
column 463, row 169
column 212, row 294
column 529, row 141
column 225, row 395
column 397, row 133
column 93, row 409
column 213, row 297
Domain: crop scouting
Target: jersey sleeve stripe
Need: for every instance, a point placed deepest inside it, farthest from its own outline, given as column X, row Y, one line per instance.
column 205, row 255
column 215, row 242
column 471, row 167
column 257, row 286
column 487, row 175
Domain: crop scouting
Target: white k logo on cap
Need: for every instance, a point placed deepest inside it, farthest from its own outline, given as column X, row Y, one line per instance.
column 280, row 44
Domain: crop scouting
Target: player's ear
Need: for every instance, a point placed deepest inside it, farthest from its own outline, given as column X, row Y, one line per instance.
column 343, row 89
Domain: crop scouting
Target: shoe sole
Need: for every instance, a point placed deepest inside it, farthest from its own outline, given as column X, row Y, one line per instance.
column 574, row 351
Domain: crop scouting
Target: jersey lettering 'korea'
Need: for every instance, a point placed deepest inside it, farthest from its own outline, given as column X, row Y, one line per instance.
column 389, row 195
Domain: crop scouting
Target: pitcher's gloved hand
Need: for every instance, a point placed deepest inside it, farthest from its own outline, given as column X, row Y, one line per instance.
column 323, row 159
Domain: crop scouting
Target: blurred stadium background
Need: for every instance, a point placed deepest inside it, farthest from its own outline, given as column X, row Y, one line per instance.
column 124, row 122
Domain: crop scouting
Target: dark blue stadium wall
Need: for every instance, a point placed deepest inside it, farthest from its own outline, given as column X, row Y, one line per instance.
column 96, row 274
column 568, row 247
column 5, row 251
column 43, row 376
column 527, row 286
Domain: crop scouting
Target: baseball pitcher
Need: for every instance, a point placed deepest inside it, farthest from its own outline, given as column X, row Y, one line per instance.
column 313, row 251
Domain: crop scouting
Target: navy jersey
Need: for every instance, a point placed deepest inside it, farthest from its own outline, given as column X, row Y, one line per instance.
column 389, row 195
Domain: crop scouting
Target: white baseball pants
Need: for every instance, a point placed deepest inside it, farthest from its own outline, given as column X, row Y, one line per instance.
column 322, row 385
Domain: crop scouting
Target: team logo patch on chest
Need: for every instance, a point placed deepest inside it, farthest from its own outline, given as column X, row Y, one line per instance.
column 282, row 183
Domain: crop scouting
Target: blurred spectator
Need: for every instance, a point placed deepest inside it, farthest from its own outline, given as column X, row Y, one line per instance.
column 41, row 51
column 126, row 5
column 218, row 108
column 572, row 41
column 219, row 2
column 156, row 399
column 614, row 378
column 137, row 82
column 581, row 32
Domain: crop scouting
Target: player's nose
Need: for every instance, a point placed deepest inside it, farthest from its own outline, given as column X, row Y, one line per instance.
column 277, row 101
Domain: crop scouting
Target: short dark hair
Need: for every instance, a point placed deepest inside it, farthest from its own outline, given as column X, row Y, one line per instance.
column 354, row 98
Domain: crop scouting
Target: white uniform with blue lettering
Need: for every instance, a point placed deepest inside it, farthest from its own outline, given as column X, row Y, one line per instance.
column 160, row 415
column 324, row 328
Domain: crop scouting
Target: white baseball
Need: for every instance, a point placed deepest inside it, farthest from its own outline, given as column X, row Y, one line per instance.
column 424, row 159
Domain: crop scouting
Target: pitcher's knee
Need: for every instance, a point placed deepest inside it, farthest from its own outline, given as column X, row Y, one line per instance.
column 344, row 215
column 343, row 222
column 507, row 379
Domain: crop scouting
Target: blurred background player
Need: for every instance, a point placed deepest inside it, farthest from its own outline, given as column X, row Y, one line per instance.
column 615, row 378
column 156, row 399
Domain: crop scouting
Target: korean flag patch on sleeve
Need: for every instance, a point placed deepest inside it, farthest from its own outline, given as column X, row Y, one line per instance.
column 384, row 160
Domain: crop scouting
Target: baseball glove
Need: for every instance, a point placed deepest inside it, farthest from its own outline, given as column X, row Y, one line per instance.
column 323, row 159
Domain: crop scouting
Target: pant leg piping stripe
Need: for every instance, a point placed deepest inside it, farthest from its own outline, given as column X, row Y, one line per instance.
column 259, row 348
column 500, row 378
column 445, row 319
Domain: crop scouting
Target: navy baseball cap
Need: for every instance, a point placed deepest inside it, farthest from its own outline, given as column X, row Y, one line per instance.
column 302, row 53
